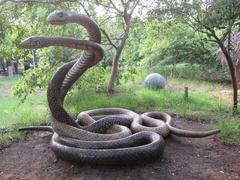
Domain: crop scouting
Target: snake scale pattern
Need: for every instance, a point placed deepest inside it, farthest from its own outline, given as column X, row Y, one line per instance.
column 99, row 136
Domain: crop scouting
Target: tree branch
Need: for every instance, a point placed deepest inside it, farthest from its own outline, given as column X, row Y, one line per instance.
column 101, row 29
column 106, row 19
column 85, row 10
column 123, row 3
column 115, row 7
column 133, row 8
column 108, row 38
column 36, row 1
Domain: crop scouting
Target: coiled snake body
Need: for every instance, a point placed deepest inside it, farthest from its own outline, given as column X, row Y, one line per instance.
column 102, row 135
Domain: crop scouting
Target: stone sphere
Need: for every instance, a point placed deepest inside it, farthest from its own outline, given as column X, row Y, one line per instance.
column 155, row 81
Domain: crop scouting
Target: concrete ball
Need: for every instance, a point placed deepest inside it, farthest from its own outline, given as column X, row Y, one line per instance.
column 155, row 81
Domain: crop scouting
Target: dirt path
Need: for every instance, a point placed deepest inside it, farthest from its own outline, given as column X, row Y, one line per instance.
column 183, row 158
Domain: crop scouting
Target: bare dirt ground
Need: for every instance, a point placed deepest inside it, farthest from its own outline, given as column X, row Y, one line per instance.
column 206, row 158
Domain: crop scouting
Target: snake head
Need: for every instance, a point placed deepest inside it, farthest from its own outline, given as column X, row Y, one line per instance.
column 33, row 42
column 58, row 17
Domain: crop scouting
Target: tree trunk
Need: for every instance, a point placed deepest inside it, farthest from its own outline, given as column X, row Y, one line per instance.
column 113, row 76
column 9, row 68
column 238, row 75
column 233, row 76
column 111, row 83
column 15, row 64
column 3, row 65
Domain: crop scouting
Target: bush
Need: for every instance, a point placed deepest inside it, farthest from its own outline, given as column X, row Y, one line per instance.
column 195, row 72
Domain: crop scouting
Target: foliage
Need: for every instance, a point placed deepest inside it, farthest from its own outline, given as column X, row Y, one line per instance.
column 93, row 78
column 127, row 72
column 23, row 24
column 39, row 77
column 215, row 73
column 177, row 44
column 220, row 13
column 32, row 78
column 107, row 58
column 134, row 42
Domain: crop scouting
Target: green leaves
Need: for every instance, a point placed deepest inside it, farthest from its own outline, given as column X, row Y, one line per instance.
column 94, row 78
column 41, row 12
column 32, row 80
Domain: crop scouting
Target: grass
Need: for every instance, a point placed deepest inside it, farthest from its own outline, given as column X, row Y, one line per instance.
column 230, row 130
column 4, row 81
column 14, row 114
column 141, row 100
column 200, row 105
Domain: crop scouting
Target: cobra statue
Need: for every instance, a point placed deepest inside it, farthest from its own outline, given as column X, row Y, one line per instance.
column 99, row 136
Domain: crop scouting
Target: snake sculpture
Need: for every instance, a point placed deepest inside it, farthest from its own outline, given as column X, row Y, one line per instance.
column 100, row 136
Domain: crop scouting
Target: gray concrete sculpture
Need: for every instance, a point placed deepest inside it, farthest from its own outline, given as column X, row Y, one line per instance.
column 106, row 135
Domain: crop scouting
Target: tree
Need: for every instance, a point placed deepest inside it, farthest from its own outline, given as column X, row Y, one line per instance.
column 122, row 11
column 21, row 20
column 215, row 18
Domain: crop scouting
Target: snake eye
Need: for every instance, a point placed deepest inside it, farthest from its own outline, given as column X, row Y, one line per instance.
column 60, row 14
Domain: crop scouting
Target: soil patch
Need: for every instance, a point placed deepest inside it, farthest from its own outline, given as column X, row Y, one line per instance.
column 183, row 158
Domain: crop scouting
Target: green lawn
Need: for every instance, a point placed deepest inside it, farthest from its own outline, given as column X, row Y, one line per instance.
column 5, row 81
column 200, row 105
column 14, row 113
